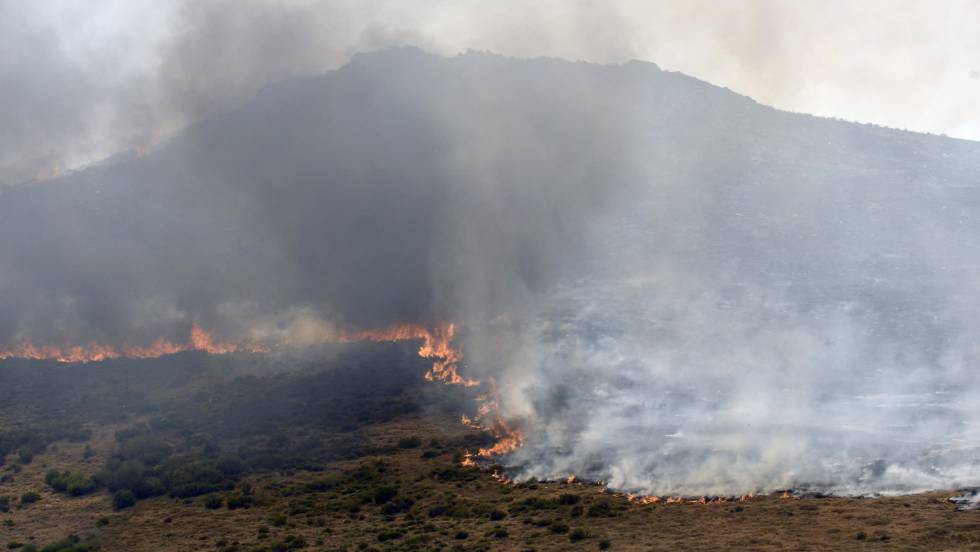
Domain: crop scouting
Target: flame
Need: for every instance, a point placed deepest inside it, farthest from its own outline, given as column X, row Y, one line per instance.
column 436, row 345
column 488, row 418
column 199, row 340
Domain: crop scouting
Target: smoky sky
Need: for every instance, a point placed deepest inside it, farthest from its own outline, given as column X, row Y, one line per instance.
column 84, row 80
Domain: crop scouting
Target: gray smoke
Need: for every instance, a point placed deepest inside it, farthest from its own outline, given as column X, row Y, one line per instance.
column 678, row 290
column 395, row 190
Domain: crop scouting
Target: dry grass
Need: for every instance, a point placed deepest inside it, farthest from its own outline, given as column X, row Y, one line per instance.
column 284, row 511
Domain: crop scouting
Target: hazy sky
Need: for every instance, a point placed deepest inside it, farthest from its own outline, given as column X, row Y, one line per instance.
column 84, row 79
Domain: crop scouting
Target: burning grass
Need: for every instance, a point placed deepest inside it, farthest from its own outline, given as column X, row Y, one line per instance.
column 335, row 459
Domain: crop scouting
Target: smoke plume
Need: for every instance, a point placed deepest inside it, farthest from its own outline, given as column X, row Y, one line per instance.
column 678, row 290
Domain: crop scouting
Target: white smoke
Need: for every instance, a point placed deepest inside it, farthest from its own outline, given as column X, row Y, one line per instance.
column 746, row 332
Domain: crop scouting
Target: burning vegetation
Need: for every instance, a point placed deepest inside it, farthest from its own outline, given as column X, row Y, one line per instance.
column 199, row 339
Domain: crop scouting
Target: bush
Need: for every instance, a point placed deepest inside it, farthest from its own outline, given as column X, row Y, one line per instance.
column 75, row 484
column 384, row 494
column 71, row 544
column 236, row 501
column 605, row 545
column 602, row 509
column 558, row 527
column 409, row 442
column 578, row 534
column 123, row 499
column 29, row 498
column 497, row 515
column 213, row 502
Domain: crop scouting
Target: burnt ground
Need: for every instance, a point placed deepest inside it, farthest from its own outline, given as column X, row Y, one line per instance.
column 240, row 454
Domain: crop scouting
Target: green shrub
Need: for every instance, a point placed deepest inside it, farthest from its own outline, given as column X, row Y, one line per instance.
column 75, row 484
column 236, row 501
column 70, row 544
column 497, row 515
column 578, row 534
column 123, row 499
column 29, row 498
column 213, row 502
column 384, row 494
column 602, row 509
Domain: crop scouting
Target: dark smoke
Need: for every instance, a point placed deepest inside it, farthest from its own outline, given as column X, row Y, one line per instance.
column 384, row 192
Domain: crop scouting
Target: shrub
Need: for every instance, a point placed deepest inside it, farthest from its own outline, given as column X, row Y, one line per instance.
column 499, row 532
column 29, row 498
column 409, row 442
column 397, row 505
column 602, row 509
column 578, row 534
column 56, row 480
column 213, row 502
column 569, row 499
column 236, row 501
column 384, row 494
column 605, row 545
column 75, row 484
column 123, row 499
column 70, row 544
column 558, row 527
column 497, row 515
column 462, row 535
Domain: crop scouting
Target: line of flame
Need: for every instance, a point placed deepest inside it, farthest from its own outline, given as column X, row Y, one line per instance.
column 198, row 340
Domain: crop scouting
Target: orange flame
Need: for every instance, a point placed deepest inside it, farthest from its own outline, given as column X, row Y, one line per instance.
column 199, row 340
column 436, row 345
